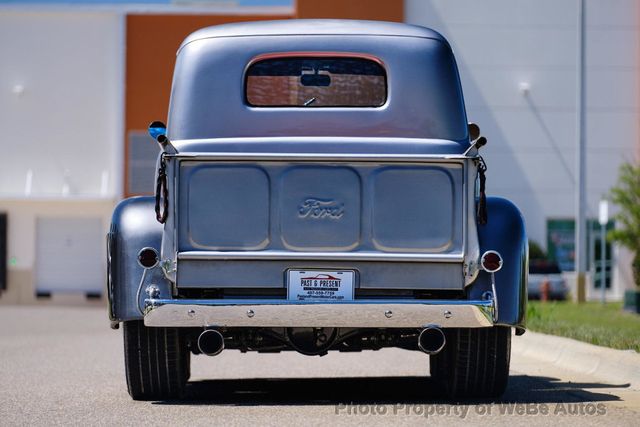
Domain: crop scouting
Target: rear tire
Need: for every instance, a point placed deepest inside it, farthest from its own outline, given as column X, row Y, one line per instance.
column 156, row 361
column 474, row 362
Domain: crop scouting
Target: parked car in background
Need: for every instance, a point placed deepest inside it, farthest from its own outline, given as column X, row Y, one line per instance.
column 319, row 189
column 546, row 274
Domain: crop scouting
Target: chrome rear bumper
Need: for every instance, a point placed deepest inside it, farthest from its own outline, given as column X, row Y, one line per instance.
column 355, row 314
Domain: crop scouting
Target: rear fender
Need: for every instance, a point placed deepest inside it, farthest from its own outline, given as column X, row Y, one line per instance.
column 133, row 227
column 505, row 233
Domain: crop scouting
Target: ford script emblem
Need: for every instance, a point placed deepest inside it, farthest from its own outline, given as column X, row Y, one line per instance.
column 321, row 208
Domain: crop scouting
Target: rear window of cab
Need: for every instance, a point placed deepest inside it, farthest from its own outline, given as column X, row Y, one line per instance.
column 312, row 82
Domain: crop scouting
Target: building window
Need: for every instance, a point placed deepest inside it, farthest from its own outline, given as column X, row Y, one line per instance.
column 561, row 247
column 141, row 163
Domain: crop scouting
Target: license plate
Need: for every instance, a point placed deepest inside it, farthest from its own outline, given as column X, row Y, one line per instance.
column 320, row 285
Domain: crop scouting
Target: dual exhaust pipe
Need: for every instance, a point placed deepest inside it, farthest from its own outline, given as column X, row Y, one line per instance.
column 210, row 342
column 431, row 341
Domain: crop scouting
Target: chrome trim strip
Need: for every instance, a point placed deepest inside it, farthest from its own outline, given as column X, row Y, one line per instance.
column 465, row 228
column 320, row 256
column 312, row 157
column 283, row 313
column 471, row 245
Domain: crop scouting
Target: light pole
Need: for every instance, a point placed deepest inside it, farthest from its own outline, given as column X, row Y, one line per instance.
column 580, row 183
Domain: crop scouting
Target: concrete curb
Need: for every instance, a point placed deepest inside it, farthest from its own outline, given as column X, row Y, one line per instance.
column 619, row 366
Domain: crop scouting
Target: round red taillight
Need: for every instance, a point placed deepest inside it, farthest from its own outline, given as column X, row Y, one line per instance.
column 148, row 257
column 491, row 261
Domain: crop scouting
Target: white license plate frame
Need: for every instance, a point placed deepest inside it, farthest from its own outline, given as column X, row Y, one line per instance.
column 313, row 285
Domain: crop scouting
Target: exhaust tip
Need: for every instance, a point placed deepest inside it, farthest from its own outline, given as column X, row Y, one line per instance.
column 210, row 342
column 431, row 340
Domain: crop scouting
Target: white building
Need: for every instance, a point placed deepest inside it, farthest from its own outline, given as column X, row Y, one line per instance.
column 68, row 125
column 518, row 65
column 61, row 98
column 72, row 107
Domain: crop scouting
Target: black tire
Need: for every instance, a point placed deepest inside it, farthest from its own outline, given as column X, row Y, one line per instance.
column 474, row 363
column 156, row 361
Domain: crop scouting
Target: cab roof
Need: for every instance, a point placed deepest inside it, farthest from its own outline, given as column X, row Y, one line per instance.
column 310, row 27
column 423, row 92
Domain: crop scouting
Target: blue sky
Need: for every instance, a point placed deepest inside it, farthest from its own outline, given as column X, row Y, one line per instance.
column 199, row 2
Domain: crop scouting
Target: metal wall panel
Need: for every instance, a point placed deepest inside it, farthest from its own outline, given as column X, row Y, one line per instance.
column 70, row 255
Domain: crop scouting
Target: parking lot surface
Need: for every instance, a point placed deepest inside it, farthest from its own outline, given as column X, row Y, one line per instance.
column 63, row 365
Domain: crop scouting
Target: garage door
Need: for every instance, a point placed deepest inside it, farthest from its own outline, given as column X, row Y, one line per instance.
column 70, row 255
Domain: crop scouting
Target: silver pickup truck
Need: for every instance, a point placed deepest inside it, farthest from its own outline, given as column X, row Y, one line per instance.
column 319, row 189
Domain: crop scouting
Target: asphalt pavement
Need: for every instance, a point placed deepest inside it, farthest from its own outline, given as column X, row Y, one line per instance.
column 63, row 365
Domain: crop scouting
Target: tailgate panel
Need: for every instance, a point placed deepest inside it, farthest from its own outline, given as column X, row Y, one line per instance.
column 398, row 225
column 412, row 208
